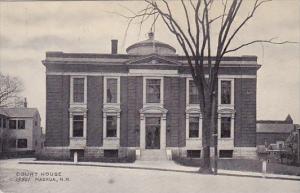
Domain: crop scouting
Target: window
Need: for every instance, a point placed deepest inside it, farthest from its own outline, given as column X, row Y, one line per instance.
column 111, row 126
column 225, row 127
column 12, row 143
column 194, row 127
column 4, row 123
column 78, row 90
column 35, row 123
column 153, row 91
column 78, row 126
column 22, row 143
column 12, row 124
column 112, row 90
column 193, row 93
column 225, row 92
column 0, row 123
column 111, row 153
column 225, row 153
column 21, row 124
column 194, row 153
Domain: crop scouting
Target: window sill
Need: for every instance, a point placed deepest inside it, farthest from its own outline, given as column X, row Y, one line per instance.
column 111, row 138
column 77, row 138
column 225, row 138
column 194, row 138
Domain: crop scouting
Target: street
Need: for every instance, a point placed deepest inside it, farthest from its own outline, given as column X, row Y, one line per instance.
column 26, row 178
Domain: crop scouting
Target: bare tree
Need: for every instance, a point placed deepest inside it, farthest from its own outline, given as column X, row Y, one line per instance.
column 10, row 89
column 204, row 51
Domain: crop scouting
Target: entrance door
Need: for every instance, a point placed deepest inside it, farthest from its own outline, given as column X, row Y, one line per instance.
column 152, row 133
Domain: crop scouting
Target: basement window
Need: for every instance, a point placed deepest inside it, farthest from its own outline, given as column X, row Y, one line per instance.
column 111, row 153
column 22, row 143
column 194, row 153
column 225, row 153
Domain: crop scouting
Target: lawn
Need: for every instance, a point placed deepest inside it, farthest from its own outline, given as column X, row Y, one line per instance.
column 245, row 165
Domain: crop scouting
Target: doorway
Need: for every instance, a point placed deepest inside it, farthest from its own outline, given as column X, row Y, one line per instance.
column 152, row 132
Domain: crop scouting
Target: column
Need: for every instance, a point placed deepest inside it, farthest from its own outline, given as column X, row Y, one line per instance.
column 187, row 131
column 71, row 125
column 142, row 131
column 104, row 125
column 163, row 132
column 84, row 125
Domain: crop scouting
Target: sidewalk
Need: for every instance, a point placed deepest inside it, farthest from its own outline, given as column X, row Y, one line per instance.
column 162, row 166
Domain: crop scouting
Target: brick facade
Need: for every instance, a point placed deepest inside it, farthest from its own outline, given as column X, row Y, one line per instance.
column 57, row 114
column 174, row 100
column 245, row 106
column 94, row 121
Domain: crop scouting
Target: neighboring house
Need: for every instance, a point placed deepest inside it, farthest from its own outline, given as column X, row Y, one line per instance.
column 143, row 103
column 3, row 130
column 23, row 132
column 274, row 133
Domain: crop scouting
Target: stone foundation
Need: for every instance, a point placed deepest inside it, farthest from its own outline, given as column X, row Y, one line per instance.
column 90, row 154
column 238, row 152
column 127, row 154
column 54, row 153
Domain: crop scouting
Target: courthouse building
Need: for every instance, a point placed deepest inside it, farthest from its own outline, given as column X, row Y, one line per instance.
column 143, row 103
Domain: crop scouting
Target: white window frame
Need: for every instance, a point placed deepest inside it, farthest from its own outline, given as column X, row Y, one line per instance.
column 117, row 115
column 188, row 93
column 118, row 90
column 231, row 94
column 84, row 124
column 72, row 89
column 161, row 90
column 231, row 115
column 188, row 115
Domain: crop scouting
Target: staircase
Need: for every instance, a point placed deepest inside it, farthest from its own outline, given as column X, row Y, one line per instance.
column 153, row 155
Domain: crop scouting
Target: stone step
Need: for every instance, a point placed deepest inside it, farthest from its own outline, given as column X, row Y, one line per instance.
column 153, row 155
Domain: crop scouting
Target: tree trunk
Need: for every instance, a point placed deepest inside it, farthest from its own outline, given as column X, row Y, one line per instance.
column 206, row 136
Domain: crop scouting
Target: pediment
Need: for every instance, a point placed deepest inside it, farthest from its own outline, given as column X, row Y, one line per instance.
column 193, row 111
column 153, row 109
column 77, row 109
column 153, row 59
column 226, row 111
column 111, row 110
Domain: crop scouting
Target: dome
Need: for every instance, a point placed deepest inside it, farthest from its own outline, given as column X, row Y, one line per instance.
column 151, row 46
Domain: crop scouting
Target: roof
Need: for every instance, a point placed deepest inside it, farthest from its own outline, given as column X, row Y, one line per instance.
column 150, row 46
column 3, row 112
column 20, row 112
column 274, row 127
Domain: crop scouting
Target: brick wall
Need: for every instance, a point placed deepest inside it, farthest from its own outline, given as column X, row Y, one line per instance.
column 95, row 115
column 135, row 103
column 124, row 112
column 174, row 102
column 245, row 118
column 57, row 115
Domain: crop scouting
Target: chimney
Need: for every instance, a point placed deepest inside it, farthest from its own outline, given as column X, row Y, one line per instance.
column 25, row 102
column 114, row 46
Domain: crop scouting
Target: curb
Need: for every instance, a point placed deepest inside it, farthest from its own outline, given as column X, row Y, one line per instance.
column 156, row 169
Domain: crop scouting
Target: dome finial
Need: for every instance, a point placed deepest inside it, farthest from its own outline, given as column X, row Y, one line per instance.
column 151, row 35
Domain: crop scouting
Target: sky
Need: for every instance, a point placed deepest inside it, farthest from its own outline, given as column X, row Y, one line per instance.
column 29, row 29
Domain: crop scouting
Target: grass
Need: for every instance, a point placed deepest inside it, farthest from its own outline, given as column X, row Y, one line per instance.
column 245, row 165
